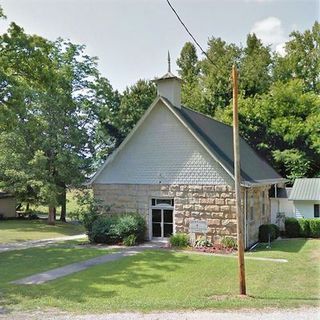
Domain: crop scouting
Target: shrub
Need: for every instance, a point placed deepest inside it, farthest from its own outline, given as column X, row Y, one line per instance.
column 268, row 229
column 114, row 228
column 203, row 242
column 130, row 224
column 314, row 225
column 229, row 242
column 304, row 227
column 292, row 227
column 179, row 240
column 130, row 240
column 102, row 230
column 90, row 209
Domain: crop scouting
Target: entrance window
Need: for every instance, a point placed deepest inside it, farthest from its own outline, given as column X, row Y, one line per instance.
column 162, row 218
column 156, row 202
column 316, row 208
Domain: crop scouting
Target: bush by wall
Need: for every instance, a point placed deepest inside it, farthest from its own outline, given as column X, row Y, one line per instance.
column 314, row 225
column 229, row 242
column 179, row 240
column 130, row 224
column 268, row 229
column 130, row 241
column 292, row 227
column 129, row 228
column 103, row 230
column 302, row 227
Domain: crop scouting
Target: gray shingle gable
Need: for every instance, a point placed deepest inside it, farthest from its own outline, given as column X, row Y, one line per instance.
column 219, row 138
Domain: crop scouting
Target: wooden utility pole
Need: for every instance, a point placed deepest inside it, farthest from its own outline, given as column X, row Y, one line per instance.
column 242, row 277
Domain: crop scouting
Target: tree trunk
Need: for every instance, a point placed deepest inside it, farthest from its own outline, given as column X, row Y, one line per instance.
column 51, row 218
column 27, row 207
column 63, row 205
column 55, row 213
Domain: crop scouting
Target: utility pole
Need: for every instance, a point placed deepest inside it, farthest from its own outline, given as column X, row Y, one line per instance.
column 242, row 277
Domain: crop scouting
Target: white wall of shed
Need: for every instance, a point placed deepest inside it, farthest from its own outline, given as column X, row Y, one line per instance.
column 304, row 208
column 163, row 151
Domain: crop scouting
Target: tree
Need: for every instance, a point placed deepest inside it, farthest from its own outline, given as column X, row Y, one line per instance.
column 283, row 126
column 255, row 64
column 45, row 92
column 118, row 118
column 217, row 88
column 189, row 72
column 135, row 100
column 302, row 59
column 106, row 134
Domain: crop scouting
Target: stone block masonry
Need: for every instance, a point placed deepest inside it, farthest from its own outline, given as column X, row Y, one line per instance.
column 214, row 203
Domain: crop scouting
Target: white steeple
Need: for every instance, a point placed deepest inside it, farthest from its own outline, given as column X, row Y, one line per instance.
column 169, row 86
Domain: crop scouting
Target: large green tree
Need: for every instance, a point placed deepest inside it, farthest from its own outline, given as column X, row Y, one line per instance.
column 118, row 118
column 45, row 107
column 302, row 59
column 283, row 125
column 215, row 74
column 255, row 67
column 189, row 71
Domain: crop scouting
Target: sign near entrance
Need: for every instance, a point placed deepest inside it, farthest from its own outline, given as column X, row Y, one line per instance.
column 198, row 226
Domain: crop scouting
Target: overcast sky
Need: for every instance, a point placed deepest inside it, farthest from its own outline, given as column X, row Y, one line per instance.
column 131, row 37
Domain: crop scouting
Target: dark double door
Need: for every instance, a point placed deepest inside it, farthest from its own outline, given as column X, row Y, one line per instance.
column 162, row 223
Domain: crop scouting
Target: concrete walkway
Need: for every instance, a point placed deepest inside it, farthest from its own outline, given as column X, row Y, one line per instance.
column 53, row 274
column 37, row 243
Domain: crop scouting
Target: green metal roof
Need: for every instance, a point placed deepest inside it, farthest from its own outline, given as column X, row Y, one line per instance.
column 306, row 189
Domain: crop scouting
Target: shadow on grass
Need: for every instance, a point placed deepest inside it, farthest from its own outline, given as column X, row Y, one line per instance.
column 283, row 245
column 104, row 281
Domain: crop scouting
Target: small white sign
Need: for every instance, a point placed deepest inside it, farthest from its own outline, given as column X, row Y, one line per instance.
column 198, row 226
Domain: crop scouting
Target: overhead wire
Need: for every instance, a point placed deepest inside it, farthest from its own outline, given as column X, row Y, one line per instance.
column 190, row 34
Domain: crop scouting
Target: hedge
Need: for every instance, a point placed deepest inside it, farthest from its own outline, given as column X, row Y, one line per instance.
column 268, row 229
column 302, row 227
column 314, row 225
column 127, row 228
column 292, row 227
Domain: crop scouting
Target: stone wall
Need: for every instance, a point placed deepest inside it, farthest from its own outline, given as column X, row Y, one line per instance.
column 255, row 217
column 214, row 203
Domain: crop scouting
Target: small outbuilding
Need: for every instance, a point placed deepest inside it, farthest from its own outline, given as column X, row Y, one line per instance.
column 7, row 205
column 176, row 166
column 305, row 196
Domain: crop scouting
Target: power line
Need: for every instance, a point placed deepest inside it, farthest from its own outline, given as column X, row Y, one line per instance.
column 190, row 34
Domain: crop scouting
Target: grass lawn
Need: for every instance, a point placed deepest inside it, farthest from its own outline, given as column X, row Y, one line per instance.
column 22, row 230
column 165, row 280
column 72, row 204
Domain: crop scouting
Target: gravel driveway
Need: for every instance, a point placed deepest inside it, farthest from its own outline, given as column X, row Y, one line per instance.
column 294, row 314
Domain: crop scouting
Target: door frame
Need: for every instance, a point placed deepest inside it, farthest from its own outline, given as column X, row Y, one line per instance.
column 161, row 207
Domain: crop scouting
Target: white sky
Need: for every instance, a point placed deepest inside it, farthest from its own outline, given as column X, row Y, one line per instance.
column 131, row 37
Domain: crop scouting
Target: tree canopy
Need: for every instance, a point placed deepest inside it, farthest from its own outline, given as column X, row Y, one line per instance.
column 279, row 96
column 59, row 117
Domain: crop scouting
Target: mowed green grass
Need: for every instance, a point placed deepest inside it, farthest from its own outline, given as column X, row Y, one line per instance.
column 72, row 204
column 167, row 280
column 23, row 230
